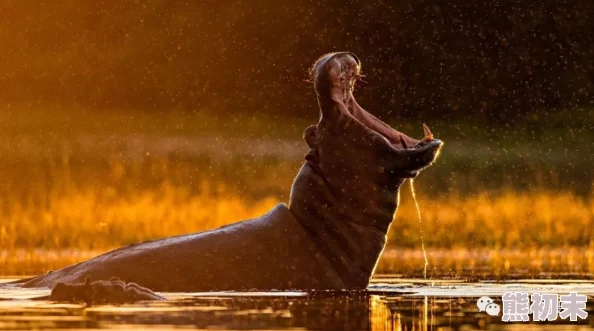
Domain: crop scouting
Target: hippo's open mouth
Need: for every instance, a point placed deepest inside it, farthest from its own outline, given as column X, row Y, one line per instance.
column 335, row 76
column 420, row 153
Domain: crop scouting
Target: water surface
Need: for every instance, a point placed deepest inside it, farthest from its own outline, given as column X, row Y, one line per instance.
column 388, row 304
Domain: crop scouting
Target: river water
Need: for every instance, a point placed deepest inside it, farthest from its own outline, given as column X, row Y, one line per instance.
column 388, row 304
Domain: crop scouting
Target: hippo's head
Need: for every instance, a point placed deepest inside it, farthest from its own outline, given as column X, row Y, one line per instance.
column 349, row 143
column 346, row 193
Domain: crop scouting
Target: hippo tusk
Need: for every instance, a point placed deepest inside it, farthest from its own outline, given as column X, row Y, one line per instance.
column 427, row 132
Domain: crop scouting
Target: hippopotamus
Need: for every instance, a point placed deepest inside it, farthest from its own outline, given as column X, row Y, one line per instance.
column 329, row 236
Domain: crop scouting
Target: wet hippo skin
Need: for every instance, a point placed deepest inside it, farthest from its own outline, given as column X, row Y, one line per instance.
column 330, row 236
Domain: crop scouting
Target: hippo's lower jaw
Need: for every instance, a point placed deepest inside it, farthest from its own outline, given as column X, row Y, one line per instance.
column 330, row 237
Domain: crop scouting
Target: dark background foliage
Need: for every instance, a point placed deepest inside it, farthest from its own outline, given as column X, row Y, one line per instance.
column 492, row 59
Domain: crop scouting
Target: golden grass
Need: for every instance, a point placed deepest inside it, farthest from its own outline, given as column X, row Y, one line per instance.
column 95, row 219
column 80, row 184
column 489, row 263
column 504, row 219
column 103, row 217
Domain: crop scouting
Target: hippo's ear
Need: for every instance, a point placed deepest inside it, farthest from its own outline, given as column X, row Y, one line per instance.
column 312, row 136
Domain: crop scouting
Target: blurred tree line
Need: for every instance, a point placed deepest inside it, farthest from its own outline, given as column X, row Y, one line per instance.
column 493, row 59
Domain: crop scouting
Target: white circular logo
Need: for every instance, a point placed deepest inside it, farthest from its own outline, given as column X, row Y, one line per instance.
column 492, row 309
column 483, row 302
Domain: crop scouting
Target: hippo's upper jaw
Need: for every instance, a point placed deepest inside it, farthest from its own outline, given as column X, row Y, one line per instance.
column 359, row 134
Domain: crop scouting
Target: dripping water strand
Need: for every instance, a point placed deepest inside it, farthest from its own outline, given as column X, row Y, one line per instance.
column 414, row 196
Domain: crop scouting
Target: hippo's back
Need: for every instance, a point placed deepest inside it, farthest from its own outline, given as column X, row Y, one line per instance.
column 269, row 252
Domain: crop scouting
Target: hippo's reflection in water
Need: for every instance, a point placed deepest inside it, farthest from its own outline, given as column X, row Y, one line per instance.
column 340, row 310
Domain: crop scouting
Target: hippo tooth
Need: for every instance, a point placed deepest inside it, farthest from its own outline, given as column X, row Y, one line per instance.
column 402, row 141
column 426, row 130
column 428, row 134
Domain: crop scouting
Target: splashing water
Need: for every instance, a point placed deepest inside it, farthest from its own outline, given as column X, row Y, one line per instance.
column 414, row 196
